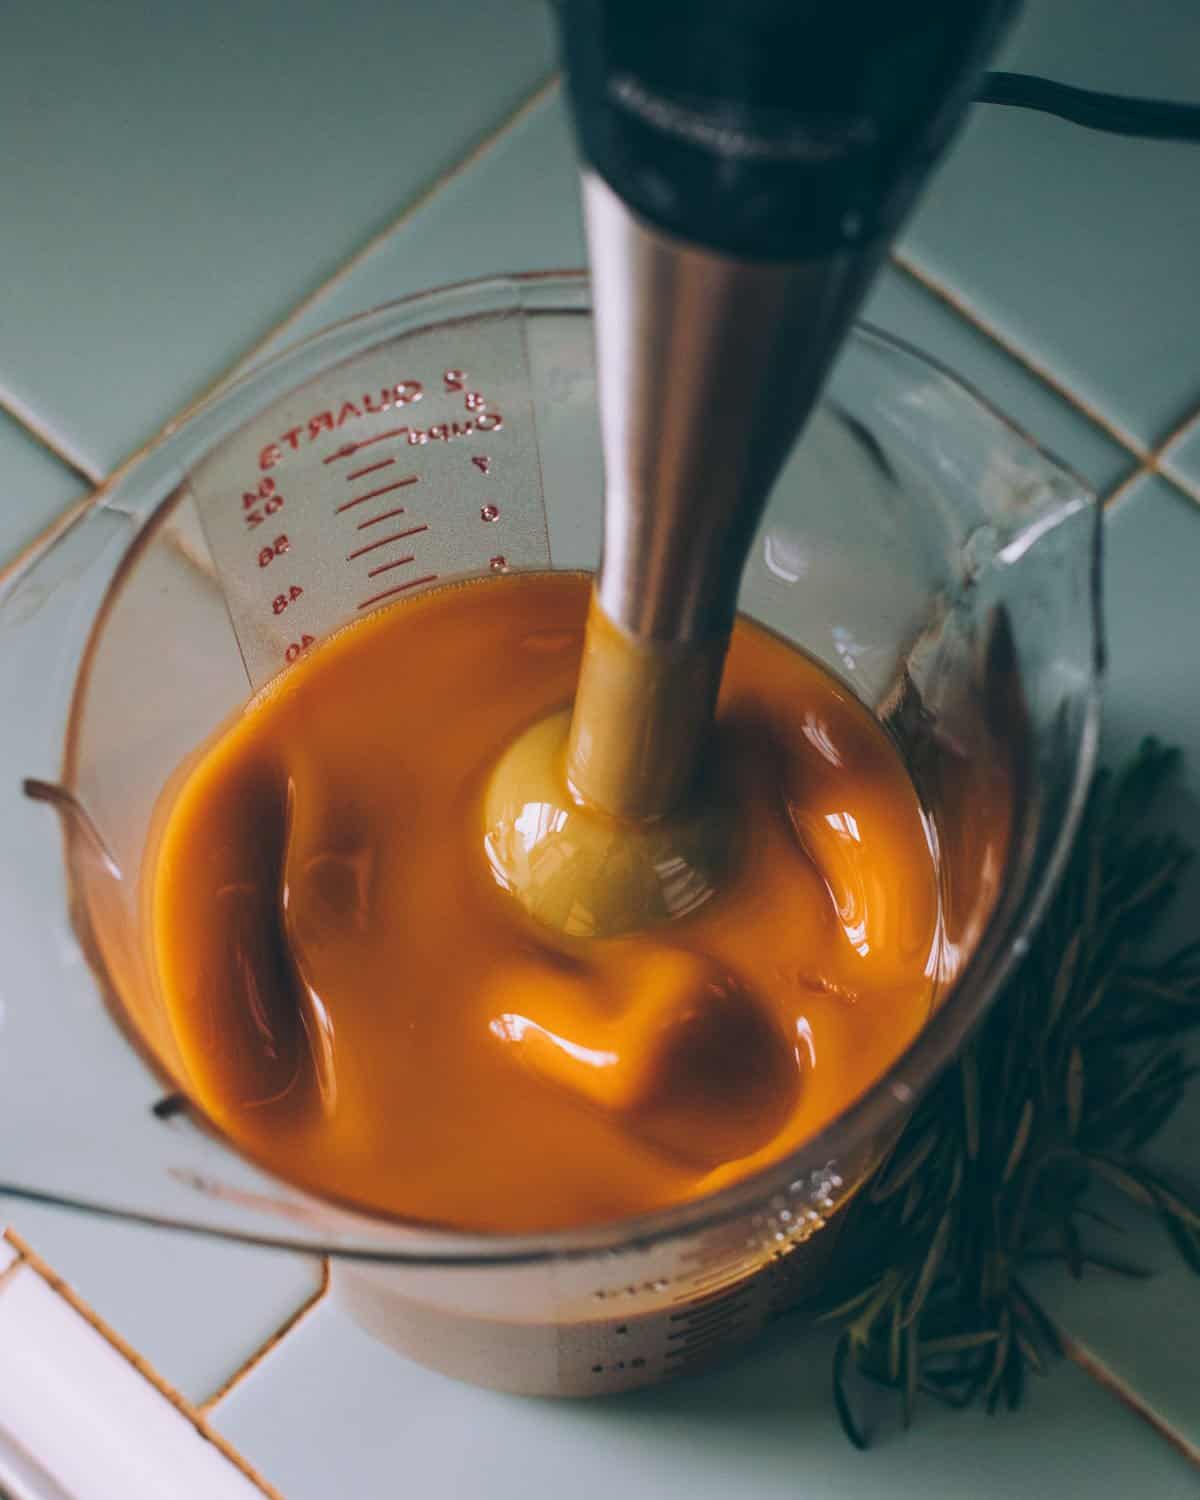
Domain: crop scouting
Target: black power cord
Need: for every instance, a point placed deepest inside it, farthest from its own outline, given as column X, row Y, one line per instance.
column 1152, row 119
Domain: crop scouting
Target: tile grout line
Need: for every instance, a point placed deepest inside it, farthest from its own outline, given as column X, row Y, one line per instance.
column 43, row 434
column 1175, row 434
column 1150, row 458
column 27, row 420
column 1079, row 1354
column 902, row 262
column 1174, row 439
column 1096, row 1369
column 64, row 520
column 248, row 1366
column 1123, row 486
column 1152, row 467
column 958, row 304
column 43, row 541
column 474, row 154
column 11, row 1270
column 1188, row 488
column 142, row 1366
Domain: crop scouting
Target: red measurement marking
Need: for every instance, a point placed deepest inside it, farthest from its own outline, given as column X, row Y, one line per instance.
column 370, row 469
column 399, row 589
column 490, row 513
column 294, row 650
column 375, row 520
column 387, row 567
column 385, row 541
column 348, row 450
column 384, row 489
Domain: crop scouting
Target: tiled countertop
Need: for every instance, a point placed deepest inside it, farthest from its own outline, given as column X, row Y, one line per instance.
column 185, row 186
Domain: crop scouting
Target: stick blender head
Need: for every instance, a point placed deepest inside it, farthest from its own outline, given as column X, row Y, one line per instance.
column 744, row 171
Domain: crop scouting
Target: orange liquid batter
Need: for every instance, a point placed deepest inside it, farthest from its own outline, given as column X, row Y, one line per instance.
column 363, row 1010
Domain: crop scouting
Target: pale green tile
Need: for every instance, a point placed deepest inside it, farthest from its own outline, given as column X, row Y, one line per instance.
column 1081, row 246
column 177, row 176
column 1105, row 44
column 34, row 487
column 333, row 1413
column 517, row 209
column 196, row 1308
column 1146, row 1332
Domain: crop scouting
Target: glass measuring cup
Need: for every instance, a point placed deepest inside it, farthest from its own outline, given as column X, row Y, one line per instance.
column 916, row 543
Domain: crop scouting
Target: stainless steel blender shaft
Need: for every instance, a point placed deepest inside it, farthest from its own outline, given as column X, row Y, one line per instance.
column 707, row 365
column 745, row 170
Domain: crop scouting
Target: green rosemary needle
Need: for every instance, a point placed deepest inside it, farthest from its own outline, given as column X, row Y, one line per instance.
column 1077, row 1067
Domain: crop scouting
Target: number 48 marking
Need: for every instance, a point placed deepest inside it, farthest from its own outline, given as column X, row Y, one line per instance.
column 281, row 601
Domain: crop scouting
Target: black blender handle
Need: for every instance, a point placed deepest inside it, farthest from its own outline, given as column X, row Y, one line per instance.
column 778, row 129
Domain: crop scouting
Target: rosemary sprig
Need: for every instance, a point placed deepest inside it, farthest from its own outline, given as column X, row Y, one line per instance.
column 1078, row 1065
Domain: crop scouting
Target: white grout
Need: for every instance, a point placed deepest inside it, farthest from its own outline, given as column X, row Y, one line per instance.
column 44, row 432
column 72, row 1407
column 65, row 449
column 1186, row 430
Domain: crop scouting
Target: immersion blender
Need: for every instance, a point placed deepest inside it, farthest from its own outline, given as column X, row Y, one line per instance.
column 745, row 168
